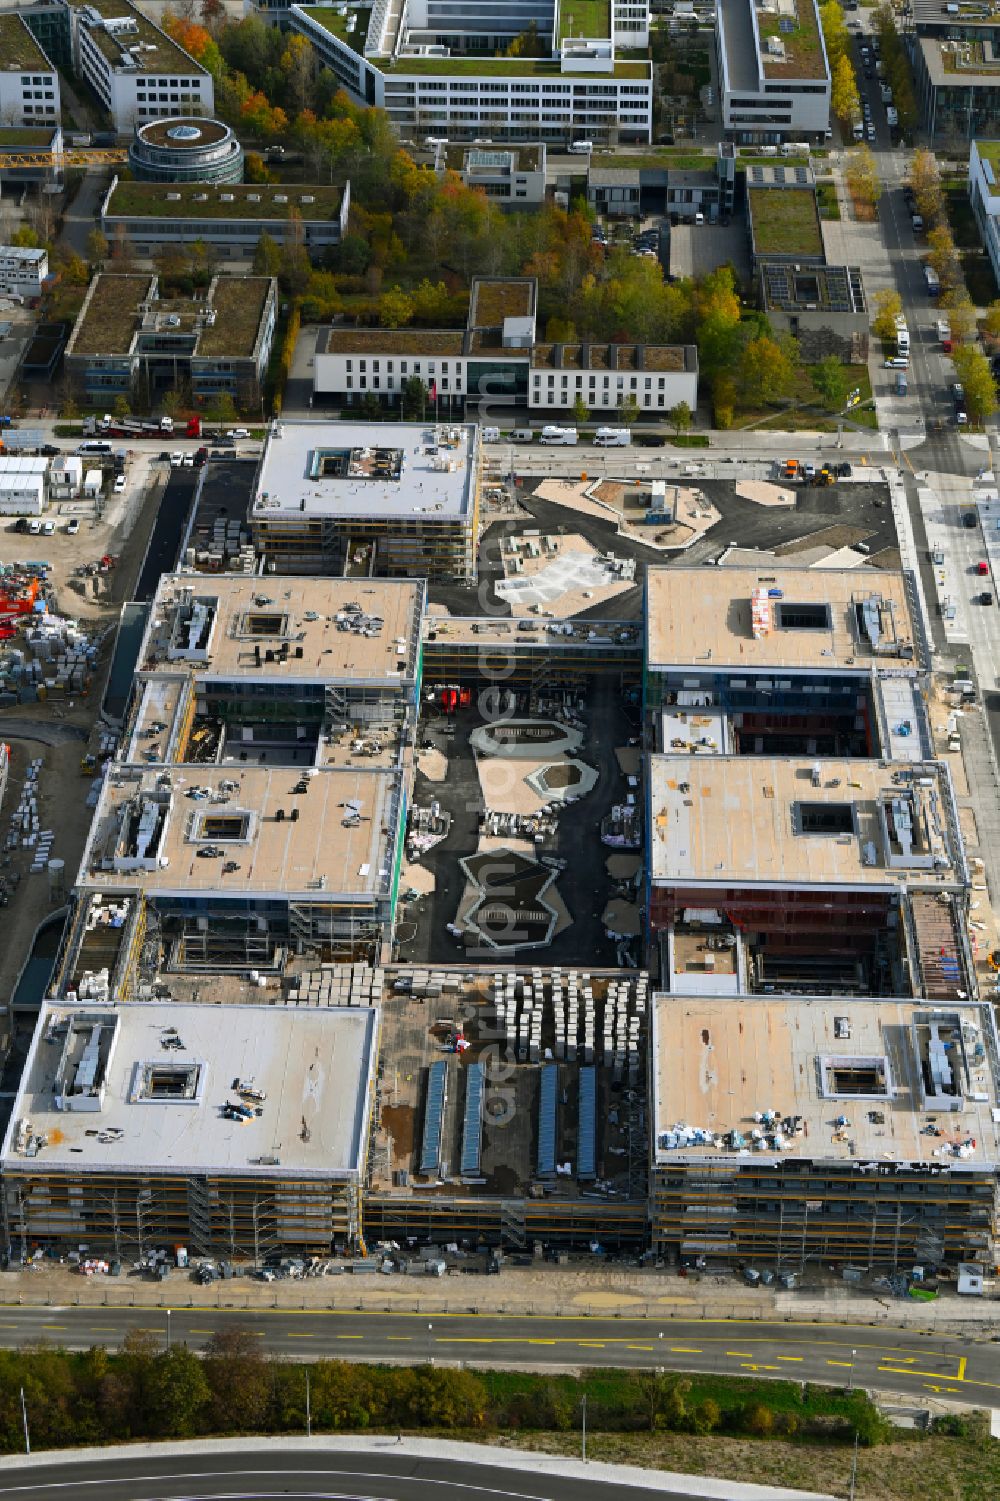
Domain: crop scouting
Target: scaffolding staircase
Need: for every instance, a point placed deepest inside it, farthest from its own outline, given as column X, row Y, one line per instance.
column 199, row 1216
column 513, row 1230
column 943, row 975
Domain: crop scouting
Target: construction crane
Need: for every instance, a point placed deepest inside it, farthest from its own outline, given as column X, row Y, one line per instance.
column 78, row 157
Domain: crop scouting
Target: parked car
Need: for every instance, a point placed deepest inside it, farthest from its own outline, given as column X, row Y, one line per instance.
column 119, row 485
column 72, row 527
column 238, row 432
column 176, row 460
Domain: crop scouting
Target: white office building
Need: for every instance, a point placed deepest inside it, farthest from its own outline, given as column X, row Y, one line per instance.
column 135, row 69
column 774, row 75
column 29, row 83
column 22, row 271
column 984, row 195
column 442, row 68
column 22, row 485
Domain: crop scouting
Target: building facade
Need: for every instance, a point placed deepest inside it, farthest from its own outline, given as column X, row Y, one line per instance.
column 984, row 196
column 444, row 69
column 512, row 176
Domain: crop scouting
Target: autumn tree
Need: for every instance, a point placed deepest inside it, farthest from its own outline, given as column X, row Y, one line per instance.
column 628, row 409
column 844, row 99
column 961, row 314
column 973, row 370
column 925, row 180
column 862, row 177
column 888, row 307
column 991, row 322
column 581, row 411
column 395, row 308
column 835, row 33
column 238, row 1379
column 266, row 256
column 176, row 1392
column 766, row 372
column 97, row 247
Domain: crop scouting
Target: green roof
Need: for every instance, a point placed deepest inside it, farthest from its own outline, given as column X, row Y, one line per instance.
column 12, row 136
column 109, row 316
column 239, row 302
column 585, row 18
column 801, row 40
column 989, row 151
column 168, row 56
column 785, row 221
column 200, row 200
column 18, row 47
column 350, row 27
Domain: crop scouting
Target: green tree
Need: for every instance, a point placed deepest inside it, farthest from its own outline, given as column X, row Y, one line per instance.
column 413, row 403
column 266, row 257
column 97, row 247
column 370, row 407
column 973, row 370
column 766, row 372
column 26, row 237
column 844, row 99
column 121, row 407
column 529, row 43
column 221, row 408
column 395, row 308
column 177, row 1392
column 581, row 411
column 832, row 381
column 628, row 410
column 239, row 1381
column 991, row 322
column 679, row 418
column 888, row 307
column 354, row 255
column 172, row 403
column 707, row 1416
column 961, row 314
column 835, row 33
column 862, row 177
column 925, row 180
column 68, row 407
column 757, row 1419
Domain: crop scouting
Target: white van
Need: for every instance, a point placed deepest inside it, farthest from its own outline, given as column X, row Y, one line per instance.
column 491, row 435
column 567, row 435
column 94, row 446
column 581, row 148
column 613, row 437
column 522, row 435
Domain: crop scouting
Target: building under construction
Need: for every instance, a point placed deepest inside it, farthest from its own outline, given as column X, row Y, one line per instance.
column 788, row 1131
column 154, row 1126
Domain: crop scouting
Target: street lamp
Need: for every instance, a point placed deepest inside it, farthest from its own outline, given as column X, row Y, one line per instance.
column 168, row 1328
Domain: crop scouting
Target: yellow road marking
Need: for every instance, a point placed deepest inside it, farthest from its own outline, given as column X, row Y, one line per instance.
column 590, row 1344
column 628, row 1347
column 751, row 1365
column 293, row 1334
column 929, row 1386
column 552, row 1342
column 738, row 1353
column 791, row 1357
column 898, row 1370
column 682, row 1350
column 960, row 1373
column 399, row 1336
column 847, row 1363
column 55, row 1326
column 201, row 1331
column 350, row 1336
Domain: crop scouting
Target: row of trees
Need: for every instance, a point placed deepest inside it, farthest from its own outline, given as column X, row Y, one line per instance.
column 896, row 66
column 844, row 98
column 145, row 1391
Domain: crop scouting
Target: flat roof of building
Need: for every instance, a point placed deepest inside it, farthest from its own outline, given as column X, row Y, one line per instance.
column 651, row 357
column 183, row 133
column 492, row 299
column 111, row 315
column 496, row 157
column 942, row 61
column 773, row 822
column 17, row 137
column 368, row 471
column 160, row 54
column 315, row 835
column 848, row 619
column 218, row 626
column 794, row 27
column 418, row 342
column 785, row 221
column 812, row 289
column 107, row 321
column 314, row 203
column 912, row 1080
column 989, row 151
column 151, row 1082
column 18, row 47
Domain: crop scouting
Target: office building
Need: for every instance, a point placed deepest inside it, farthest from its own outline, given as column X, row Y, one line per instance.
column 513, row 176
column 984, row 196
column 23, row 272
column 157, row 216
column 185, row 150
column 496, row 358
column 387, row 498
column 442, row 68
column 129, row 341
column 824, row 307
column 136, row 70
column 29, row 82
column 228, row 1132
column 774, row 76
column 790, row 1131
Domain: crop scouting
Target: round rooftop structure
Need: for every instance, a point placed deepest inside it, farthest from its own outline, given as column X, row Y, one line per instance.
column 185, row 150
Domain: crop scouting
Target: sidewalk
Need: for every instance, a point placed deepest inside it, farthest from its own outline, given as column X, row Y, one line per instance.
column 605, row 1293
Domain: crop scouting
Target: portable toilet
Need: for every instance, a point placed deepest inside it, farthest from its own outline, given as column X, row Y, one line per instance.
column 92, row 482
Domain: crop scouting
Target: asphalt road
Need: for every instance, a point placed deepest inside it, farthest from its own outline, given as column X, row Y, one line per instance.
column 839, row 1354
column 263, row 1474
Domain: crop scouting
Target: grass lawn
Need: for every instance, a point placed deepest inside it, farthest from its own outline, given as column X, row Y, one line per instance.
column 826, row 199
column 807, row 413
column 916, row 1469
column 585, row 18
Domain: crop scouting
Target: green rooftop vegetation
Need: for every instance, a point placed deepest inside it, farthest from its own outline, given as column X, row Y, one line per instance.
column 231, row 201
column 239, row 302
column 110, row 316
column 12, row 136
column 989, row 151
column 18, row 47
column 785, row 221
column 803, row 48
column 585, row 18
column 168, row 57
column 350, row 27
